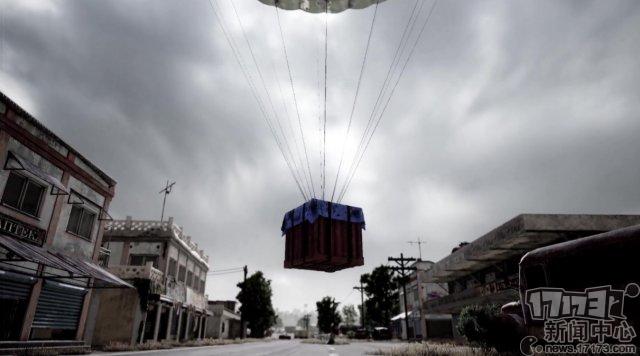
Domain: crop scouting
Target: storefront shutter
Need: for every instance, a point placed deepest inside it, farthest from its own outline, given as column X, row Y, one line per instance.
column 14, row 286
column 59, row 306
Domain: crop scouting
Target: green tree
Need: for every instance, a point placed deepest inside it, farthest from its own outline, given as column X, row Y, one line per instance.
column 257, row 310
column 485, row 326
column 380, row 287
column 328, row 315
column 349, row 314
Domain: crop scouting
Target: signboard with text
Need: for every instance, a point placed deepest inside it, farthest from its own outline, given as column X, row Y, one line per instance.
column 22, row 231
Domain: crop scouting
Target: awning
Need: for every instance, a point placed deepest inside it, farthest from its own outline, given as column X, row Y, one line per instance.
column 17, row 163
column 75, row 267
column 400, row 316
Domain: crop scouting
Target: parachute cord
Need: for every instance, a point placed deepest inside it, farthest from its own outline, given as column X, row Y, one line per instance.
column 295, row 100
column 355, row 99
column 264, row 86
column 415, row 43
column 254, row 92
column 324, row 128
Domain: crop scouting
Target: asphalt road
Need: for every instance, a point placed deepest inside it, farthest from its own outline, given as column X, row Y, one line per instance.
column 272, row 348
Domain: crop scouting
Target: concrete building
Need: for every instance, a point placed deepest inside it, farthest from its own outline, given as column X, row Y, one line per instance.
column 419, row 291
column 54, row 204
column 486, row 270
column 224, row 323
column 169, row 272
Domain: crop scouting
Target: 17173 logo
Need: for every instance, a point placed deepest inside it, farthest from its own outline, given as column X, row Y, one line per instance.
column 588, row 321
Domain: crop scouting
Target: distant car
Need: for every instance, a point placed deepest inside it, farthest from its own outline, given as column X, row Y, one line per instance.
column 285, row 337
column 381, row 333
column 362, row 333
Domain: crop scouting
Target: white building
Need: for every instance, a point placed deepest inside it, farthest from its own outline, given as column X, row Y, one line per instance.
column 169, row 272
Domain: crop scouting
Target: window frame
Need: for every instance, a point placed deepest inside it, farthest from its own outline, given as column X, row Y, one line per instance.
column 182, row 268
column 145, row 259
column 189, row 279
column 172, row 272
column 23, row 189
column 77, row 233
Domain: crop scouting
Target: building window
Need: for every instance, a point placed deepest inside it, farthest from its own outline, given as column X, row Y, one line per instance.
column 189, row 278
column 202, row 286
column 81, row 221
column 172, row 267
column 142, row 260
column 23, row 194
column 182, row 271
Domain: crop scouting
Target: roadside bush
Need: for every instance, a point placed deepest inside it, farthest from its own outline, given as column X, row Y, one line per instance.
column 486, row 327
column 351, row 334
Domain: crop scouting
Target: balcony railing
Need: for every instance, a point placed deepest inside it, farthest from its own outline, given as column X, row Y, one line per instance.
column 103, row 257
column 142, row 272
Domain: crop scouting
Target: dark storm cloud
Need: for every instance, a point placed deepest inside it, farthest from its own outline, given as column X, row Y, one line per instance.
column 507, row 107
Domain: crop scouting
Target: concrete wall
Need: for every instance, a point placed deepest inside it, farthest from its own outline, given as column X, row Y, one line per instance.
column 116, row 249
column 118, row 316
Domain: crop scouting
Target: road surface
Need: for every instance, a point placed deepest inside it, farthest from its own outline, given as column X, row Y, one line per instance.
column 270, row 348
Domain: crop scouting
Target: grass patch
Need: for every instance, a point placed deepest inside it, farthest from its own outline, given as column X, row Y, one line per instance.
column 151, row 345
column 48, row 351
column 431, row 349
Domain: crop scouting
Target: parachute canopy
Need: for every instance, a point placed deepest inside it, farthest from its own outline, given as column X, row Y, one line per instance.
column 318, row 6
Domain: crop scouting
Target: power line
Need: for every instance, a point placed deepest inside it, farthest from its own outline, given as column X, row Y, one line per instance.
column 355, row 99
column 226, row 269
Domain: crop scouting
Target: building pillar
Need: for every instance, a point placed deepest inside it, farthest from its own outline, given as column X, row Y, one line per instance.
column 31, row 309
column 144, row 327
column 156, row 326
column 204, row 326
column 169, row 322
column 186, row 328
column 180, row 312
column 200, row 322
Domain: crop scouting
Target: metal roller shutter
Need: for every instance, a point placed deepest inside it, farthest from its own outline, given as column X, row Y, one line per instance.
column 59, row 306
column 14, row 286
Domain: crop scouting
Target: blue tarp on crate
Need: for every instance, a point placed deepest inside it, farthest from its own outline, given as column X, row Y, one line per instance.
column 315, row 208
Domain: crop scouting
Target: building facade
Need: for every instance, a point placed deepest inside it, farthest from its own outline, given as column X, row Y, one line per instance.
column 419, row 291
column 485, row 271
column 53, row 206
column 224, row 323
column 169, row 272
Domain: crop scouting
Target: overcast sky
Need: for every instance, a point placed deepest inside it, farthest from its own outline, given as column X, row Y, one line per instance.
column 506, row 107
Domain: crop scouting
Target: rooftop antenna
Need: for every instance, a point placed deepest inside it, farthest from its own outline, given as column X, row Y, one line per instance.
column 166, row 190
column 418, row 242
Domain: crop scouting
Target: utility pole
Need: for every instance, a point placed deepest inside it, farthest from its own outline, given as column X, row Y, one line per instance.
column 361, row 289
column 418, row 242
column 166, row 190
column 402, row 269
column 243, row 332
